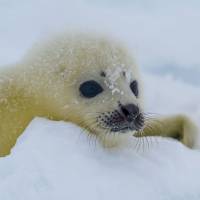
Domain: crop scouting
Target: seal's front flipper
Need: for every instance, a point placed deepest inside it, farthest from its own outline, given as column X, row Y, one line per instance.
column 178, row 127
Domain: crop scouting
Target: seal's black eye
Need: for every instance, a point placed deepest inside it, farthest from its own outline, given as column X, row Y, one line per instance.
column 134, row 88
column 90, row 89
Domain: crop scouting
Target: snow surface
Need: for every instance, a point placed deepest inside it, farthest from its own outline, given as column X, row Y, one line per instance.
column 56, row 160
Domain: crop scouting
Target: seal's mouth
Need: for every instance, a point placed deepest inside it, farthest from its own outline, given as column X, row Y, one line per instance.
column 117, row 122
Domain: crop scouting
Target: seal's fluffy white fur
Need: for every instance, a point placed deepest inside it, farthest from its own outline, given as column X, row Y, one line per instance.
column 46, row 84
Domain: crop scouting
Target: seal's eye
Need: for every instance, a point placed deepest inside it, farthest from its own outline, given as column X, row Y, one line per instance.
column 90, row 89
column 134, row 88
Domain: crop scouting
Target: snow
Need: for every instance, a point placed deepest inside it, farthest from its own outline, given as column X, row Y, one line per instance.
column 56, row 160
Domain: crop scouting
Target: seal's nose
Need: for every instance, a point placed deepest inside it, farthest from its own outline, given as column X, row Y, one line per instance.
column 130, row 111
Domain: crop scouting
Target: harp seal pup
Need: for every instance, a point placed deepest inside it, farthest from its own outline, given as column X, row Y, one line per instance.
column 86, row 79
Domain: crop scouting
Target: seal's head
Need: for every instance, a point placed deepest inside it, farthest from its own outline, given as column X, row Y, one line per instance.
column 112, row 100
column 93, row 82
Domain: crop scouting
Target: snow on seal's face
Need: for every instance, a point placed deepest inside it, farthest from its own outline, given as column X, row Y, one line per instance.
column 94, row 83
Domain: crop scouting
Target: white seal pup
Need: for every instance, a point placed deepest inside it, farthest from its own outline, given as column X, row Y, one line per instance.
column 89, row 80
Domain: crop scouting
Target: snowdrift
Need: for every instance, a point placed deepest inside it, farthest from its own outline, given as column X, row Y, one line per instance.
column 56, row 160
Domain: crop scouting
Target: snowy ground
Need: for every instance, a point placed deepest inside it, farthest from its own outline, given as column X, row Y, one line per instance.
column 54, row 160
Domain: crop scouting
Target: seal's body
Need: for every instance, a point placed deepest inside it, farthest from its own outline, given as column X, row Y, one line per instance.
column 85, row 79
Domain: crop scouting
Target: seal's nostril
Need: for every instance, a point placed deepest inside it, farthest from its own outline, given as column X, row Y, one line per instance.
column 130, row 111
column 134, row 109
column 125, row 111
